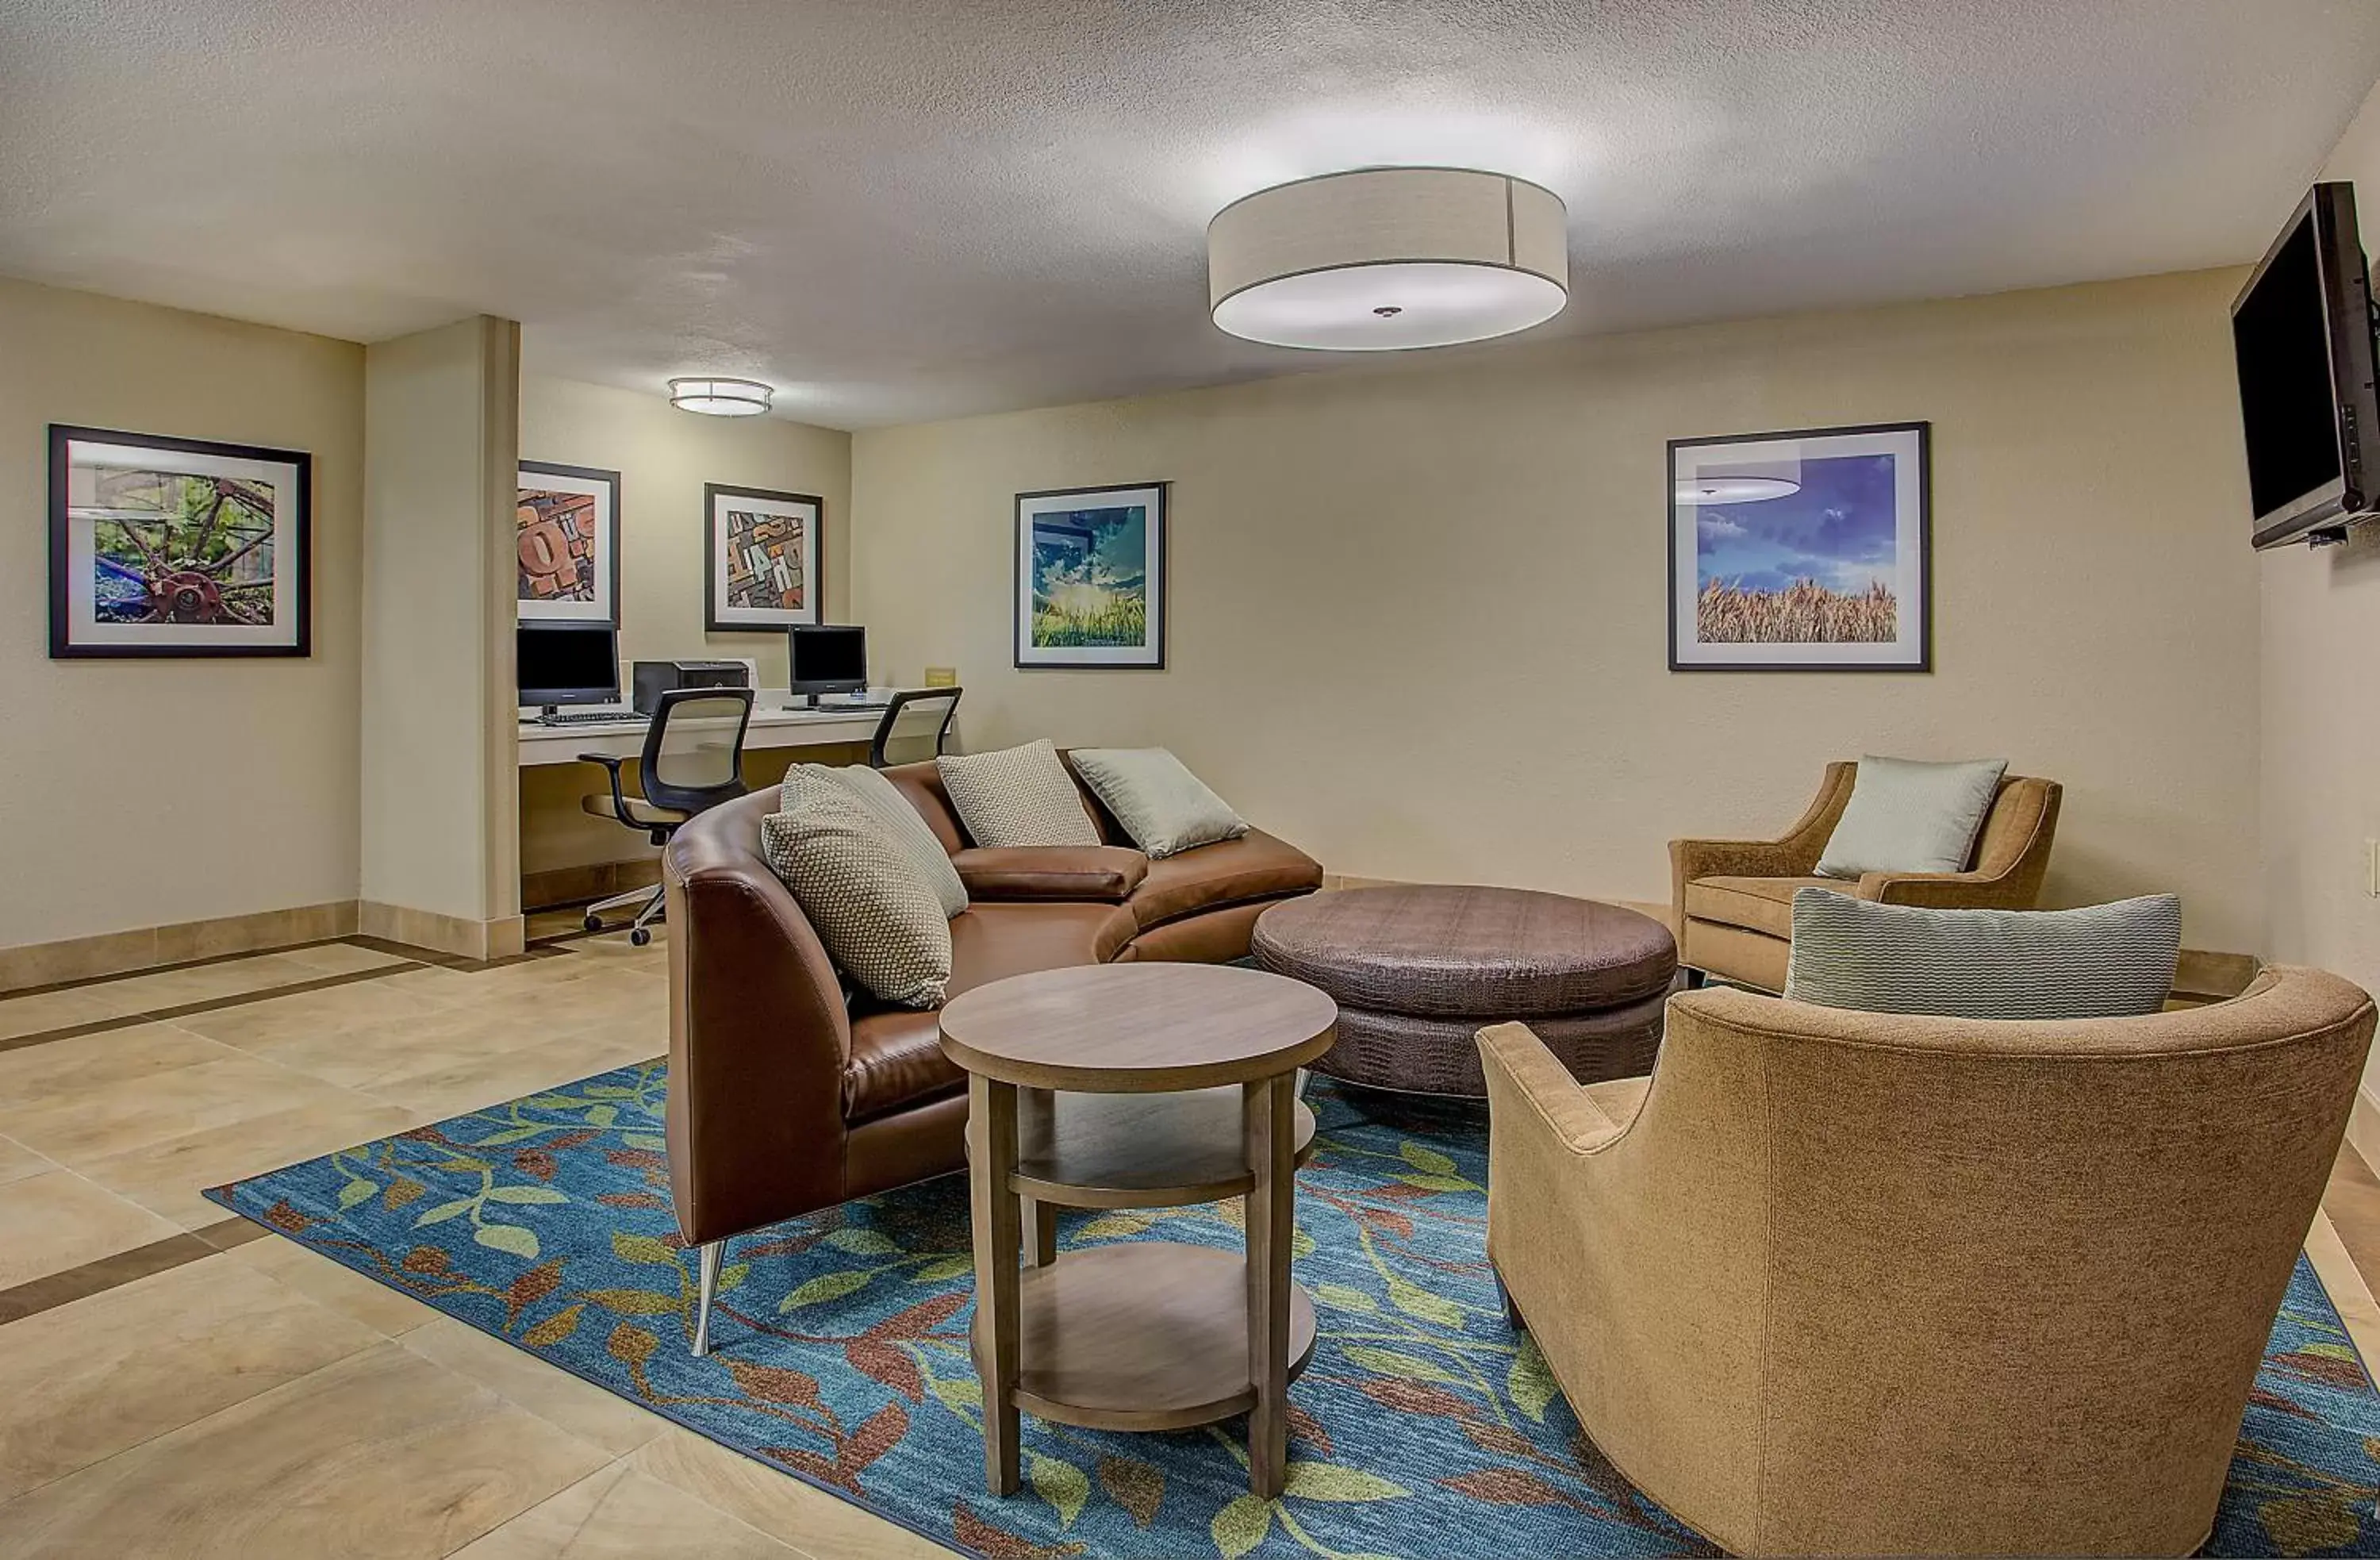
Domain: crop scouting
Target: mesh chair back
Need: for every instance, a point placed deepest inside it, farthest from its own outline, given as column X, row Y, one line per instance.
column 927, row 702
column 694, row 749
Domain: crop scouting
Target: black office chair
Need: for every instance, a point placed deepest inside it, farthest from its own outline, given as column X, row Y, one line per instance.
column 693, row 761
column 901, row 700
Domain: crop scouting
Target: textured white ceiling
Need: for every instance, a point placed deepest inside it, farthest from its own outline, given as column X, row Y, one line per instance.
column 903, row 211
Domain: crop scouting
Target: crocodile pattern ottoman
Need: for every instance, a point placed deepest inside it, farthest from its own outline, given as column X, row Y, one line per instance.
column 1417, row 970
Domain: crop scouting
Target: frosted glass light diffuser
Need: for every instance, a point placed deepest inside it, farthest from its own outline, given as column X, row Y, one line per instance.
column 1383, row 260
column 720, row 398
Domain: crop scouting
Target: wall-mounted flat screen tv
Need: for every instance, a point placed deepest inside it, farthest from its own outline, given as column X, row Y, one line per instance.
column 2302, row 333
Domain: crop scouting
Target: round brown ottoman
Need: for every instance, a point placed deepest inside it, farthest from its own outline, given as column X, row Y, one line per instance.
column 1417, row 970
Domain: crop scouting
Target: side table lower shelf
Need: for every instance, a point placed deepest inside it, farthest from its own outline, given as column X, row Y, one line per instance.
column 1147, row 1334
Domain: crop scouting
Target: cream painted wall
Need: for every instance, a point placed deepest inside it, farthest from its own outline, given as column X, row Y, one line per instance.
column 1418, row 614
column 665, row 456
column 438, row 785
column 2321, row 741
column 144, row 793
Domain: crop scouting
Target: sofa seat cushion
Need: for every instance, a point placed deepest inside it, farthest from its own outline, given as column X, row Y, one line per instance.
column 897, row 1055
column 1760, row 904
column 1231, row 872
column 1107, row 874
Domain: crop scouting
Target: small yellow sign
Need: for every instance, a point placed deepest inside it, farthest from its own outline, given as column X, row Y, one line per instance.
column 942, row 676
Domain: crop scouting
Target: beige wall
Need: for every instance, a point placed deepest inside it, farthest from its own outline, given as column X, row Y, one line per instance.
column 665, row 456
column 439, row 857
column 1418, row 612
column 2321, row 722
column 145, row 793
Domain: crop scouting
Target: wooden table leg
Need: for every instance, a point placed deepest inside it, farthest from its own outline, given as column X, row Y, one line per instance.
column 992, row 1159
column 1268, row 1126
column 1036, row 1114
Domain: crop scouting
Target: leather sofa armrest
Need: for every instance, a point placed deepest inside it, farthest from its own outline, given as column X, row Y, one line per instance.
column 1097, row 874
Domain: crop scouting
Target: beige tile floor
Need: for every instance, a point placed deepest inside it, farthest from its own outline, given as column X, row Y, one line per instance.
column 173, row 1384
column 259, row 1400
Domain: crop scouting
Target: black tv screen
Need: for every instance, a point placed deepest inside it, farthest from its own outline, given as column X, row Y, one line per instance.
column 2303, row 335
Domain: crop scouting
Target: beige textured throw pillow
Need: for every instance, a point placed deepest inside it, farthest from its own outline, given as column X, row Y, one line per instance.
column 1017, row 797
column 884, row 799
column 1906, row 816
column 1161, row 805
column 879, row 919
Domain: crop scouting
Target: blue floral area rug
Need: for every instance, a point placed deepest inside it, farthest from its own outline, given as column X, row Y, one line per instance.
column 1424, row 1426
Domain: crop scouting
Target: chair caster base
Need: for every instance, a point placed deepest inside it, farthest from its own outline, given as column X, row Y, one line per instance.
column 593, row 922
column 639, row 937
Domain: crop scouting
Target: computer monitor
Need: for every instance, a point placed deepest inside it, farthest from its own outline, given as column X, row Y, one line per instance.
column 557, row 663
column 826, row 658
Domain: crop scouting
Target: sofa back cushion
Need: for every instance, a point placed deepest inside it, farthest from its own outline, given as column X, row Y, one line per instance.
column 2104, row 961
column 1017, row 797
column 1908, row 816
column 860, row 889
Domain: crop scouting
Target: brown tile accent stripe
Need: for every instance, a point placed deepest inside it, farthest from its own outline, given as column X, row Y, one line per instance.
column 52, row 1290
column 183, row 1010
column 374, row 944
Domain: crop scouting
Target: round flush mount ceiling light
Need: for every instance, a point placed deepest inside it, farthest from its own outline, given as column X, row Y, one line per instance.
column 1734, row 490
column 720, row 398
column 1385, row 260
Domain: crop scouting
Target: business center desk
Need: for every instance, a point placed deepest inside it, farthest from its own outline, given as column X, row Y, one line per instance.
column 824, row 727
column 567, row 856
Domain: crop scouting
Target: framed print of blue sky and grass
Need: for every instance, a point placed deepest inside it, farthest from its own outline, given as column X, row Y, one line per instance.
column 1803, row 551
column 1090, row 577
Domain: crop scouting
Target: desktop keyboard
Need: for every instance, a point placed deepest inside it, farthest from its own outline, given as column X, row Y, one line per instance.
column 589, row 717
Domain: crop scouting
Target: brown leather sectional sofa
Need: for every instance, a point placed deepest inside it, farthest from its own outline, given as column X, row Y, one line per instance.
column 787, row 1095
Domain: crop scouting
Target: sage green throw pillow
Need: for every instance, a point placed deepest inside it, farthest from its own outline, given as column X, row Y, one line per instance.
column 1161, row 805
column 2105, row 961
column 916, row 840
column 861, row 891
column 1905, row 816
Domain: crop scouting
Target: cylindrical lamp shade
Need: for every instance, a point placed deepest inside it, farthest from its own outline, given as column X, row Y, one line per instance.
column 720, row 398
column 1382, row 259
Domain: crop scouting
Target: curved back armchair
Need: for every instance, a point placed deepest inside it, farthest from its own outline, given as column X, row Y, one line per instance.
column 1732, row 900
column 1847, row 1282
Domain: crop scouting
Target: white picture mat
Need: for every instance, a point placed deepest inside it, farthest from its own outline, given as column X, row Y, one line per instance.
column 1150, row 501
column 607, row 531
column 1907, row 649
column 764, row 616
column 83, row 625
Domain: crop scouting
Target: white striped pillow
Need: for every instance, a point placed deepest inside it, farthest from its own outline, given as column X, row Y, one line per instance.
column 2103, row 961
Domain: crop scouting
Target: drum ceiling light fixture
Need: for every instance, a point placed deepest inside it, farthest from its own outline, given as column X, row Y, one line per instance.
column 1385, row 260
column 720, row 398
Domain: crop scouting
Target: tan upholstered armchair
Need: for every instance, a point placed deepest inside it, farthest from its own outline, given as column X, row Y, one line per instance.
column 1878, row 1284
column 1732, row 900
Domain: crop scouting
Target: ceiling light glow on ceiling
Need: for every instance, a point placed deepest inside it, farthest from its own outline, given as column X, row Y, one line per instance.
column 1385, row 260
column 1719, row 488
column 720, row 398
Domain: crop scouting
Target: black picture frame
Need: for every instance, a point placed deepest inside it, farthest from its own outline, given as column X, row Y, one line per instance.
column 300, row 542
column 1921, row 434
column 611, row 480
column 1023, row 657
column 815, row 612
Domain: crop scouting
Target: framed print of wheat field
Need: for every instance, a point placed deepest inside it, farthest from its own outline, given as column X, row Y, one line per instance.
column 1090, row 577
column 1801, row 551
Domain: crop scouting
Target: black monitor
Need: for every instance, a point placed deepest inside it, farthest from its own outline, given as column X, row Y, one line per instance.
column 826, row 658
column 558, row 663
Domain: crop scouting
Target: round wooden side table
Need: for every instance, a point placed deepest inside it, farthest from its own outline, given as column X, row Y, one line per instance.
column 1137, row 1086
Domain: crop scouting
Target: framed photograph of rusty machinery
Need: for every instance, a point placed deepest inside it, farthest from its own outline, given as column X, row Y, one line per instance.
column 164, row 546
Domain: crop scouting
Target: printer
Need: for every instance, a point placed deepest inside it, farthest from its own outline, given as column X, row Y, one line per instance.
column 650, row 679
